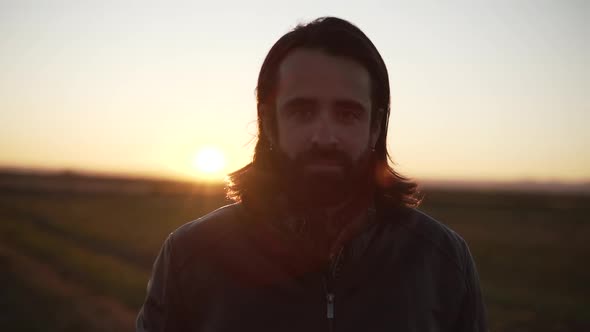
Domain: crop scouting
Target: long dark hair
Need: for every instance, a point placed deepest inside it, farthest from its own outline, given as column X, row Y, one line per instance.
column 339, row 38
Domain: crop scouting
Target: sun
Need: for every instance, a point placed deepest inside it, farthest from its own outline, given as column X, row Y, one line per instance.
column 209, row 161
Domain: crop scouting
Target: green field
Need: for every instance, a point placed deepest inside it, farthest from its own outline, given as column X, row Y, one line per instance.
column 69, row 256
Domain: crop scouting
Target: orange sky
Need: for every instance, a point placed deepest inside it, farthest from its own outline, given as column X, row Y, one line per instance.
column 493, row 91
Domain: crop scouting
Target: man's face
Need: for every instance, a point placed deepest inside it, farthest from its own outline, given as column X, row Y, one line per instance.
column 323, row 114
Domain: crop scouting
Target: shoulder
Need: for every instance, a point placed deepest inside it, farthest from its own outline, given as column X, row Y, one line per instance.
column 207, row 233
column 212, row 221
column 432, row 235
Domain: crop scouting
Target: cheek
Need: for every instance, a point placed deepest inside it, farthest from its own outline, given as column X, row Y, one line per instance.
column 292, row 140
column 356, row 144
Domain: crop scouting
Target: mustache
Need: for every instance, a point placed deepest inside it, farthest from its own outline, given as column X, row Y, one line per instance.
column 321, row 154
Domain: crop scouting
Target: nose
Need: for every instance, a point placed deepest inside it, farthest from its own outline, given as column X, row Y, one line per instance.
column 324, row 131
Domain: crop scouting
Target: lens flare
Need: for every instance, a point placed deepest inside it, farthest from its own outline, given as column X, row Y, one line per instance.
column 209, row 160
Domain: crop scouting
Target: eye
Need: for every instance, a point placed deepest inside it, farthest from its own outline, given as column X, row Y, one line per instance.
column 301, row 113
column 349, row 111
column 301, row 110
column 347, row 114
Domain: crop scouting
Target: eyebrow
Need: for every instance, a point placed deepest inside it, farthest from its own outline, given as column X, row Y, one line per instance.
column 344, row 103
column 349, row 103
column 300, row 101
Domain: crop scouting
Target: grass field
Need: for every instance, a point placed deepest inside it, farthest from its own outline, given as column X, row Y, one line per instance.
column 79, row 260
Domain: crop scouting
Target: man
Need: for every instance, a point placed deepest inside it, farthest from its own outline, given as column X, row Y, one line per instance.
column 324, row 235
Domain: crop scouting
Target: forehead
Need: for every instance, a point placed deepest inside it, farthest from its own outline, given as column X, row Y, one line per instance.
column 317, row 74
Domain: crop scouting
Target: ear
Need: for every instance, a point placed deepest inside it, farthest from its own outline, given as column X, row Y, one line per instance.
column 376, row 127
column 264, row 114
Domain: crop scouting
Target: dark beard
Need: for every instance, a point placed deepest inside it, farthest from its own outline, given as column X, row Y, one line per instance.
column 317, row 189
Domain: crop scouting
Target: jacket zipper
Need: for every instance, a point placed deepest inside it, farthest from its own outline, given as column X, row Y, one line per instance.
column 329, row 280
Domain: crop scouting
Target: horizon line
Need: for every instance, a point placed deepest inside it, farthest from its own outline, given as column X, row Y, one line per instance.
column 514, row 184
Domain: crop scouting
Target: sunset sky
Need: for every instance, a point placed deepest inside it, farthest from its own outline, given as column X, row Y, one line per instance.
column 494, row 90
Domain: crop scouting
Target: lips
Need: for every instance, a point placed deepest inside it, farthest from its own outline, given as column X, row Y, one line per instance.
column 322, row 162
column 325, row 162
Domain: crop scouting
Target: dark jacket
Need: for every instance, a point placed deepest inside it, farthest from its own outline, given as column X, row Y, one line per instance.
column 229, row 272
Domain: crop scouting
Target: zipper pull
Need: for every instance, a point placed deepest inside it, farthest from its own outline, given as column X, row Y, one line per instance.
column 330, row 309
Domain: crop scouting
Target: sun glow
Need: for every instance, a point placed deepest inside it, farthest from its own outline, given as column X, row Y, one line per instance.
column 210, row 163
